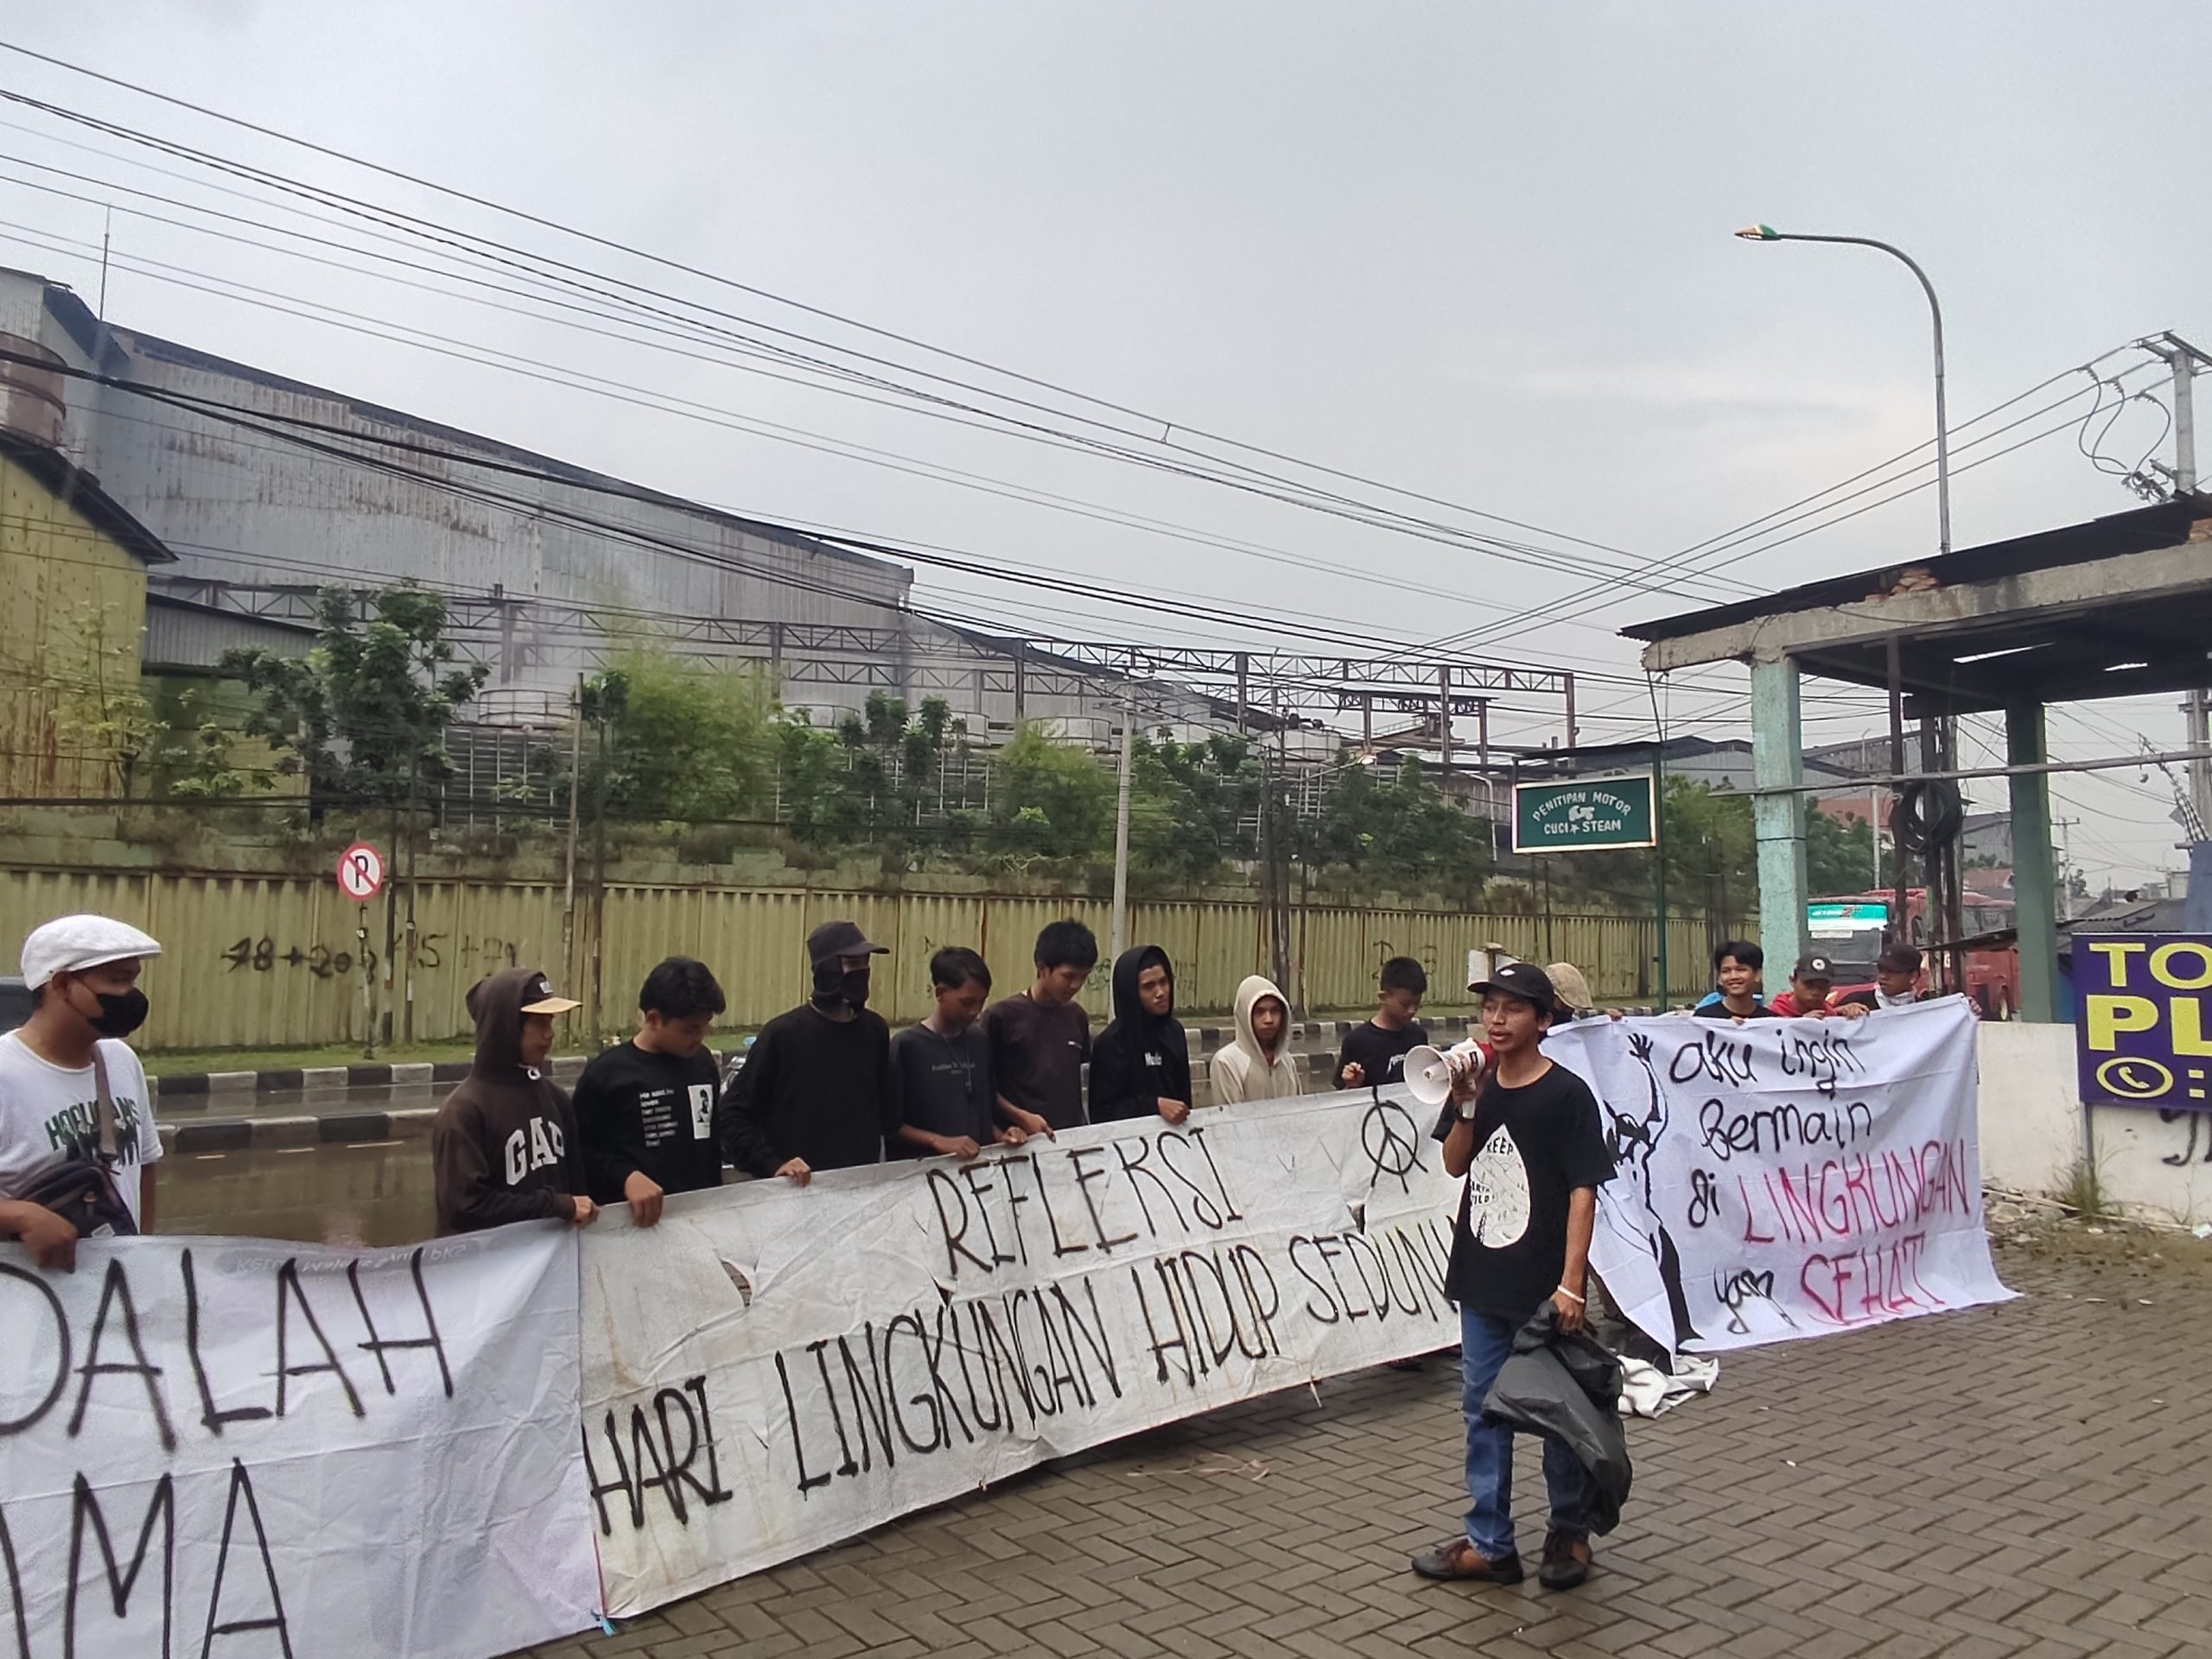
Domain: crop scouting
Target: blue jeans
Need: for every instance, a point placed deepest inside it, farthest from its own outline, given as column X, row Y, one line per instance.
column 1485, row 1343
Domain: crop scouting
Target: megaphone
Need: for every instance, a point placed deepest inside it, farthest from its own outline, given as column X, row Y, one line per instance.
column 1432, row 1073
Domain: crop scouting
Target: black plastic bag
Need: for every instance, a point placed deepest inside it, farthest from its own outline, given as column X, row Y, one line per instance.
column 1568, row 1387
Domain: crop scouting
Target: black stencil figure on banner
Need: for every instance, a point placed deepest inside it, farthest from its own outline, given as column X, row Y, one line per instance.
column 1391, row 1141
column 1633, row 1142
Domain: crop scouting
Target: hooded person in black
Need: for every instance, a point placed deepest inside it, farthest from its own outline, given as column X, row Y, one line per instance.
column 1141, row 1065
column 503, row 1147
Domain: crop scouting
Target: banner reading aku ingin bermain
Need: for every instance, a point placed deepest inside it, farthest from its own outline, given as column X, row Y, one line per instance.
column 1786, row 1177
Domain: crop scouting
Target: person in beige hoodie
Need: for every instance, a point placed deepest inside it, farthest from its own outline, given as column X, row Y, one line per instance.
column 1259, row 1064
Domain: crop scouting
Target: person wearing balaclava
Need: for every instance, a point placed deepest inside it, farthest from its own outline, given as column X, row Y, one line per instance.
column 76, row 1118
column 1141, row 1065
column 815, row 1092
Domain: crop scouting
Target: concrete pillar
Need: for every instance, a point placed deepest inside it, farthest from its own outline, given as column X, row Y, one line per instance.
column 2035, row 896
column 1778, row 821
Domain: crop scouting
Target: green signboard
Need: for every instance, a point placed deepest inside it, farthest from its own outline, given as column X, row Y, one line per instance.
column 1596, row 816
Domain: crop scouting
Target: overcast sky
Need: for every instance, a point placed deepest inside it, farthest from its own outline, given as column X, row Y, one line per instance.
column 1481, row 251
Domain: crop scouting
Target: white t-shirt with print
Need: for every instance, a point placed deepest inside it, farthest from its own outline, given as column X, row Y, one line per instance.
column 49, row 1114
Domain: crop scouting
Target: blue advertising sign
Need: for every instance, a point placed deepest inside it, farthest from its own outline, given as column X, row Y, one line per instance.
column 2140, row 1038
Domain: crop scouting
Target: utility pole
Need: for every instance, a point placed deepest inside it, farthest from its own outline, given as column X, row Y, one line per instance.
column 2185, row 363
column 569, row 976
column 1874, row 824
column 1121, row 822
column 2065, row 865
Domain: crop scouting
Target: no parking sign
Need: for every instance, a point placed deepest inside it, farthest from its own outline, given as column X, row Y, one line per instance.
column 360, row 872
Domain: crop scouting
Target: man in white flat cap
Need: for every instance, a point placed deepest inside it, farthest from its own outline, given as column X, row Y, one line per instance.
column 77, row 1138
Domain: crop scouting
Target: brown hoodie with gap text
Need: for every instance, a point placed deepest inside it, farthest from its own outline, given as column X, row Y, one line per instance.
column 503, row 1147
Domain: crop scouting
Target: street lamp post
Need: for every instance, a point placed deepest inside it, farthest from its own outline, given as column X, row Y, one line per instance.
column 1768, row 233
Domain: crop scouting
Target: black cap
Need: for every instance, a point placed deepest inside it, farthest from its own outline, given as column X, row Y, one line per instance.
column 834, row 940
column 1817, row 966
column 1526, row 981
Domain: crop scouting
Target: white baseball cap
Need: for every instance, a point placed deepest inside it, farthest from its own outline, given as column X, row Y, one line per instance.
column 69, row 942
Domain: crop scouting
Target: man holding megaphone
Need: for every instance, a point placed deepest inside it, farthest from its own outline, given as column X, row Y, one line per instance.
column 1524, row 1134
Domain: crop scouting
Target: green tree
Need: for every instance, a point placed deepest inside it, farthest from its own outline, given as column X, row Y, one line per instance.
column 363, row 715
column 876, row 780
column 1050, row 801
column 1398, row 831
column 1193, row 807
column 687, row 738
column 1711, row 849
column 1838, row 857
column 1711, row 852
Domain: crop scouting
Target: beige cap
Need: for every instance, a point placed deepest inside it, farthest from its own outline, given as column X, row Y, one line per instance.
column 1573, row 989
column 542, row 1000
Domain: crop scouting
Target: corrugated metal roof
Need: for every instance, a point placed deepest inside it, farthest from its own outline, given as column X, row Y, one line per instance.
column 153, row 348
column 81, row 491
column 2166, row 524
column 182, row 634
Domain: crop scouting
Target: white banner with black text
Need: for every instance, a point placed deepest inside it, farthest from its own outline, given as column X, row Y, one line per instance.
column 218, row 1446
column 1786, row 1177
column 775, row 1369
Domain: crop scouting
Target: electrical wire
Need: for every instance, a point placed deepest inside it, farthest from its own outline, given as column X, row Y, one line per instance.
column 1313, row 498
column 537, row 369
column 1699, row 553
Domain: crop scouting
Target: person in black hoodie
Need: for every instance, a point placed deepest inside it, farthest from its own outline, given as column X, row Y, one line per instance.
column 1140, row 1063
column 503, row 1147
column 816, row 1092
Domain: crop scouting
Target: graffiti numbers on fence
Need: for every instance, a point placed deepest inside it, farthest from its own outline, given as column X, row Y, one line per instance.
column 261, row 955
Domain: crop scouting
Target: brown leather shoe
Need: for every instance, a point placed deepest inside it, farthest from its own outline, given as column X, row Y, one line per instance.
column 1461, row 1560
column 1566, row 1563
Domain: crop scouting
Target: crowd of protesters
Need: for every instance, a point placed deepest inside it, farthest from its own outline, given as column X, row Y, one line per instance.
column 827, row 1086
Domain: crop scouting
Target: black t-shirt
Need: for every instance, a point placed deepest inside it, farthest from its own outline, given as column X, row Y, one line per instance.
column 1534, row 1146
column 942, row 1084
column 814, row 1087
column 1038, row 1054
column 1721, row 1011
column 652, row 1113
column 1380, row 1053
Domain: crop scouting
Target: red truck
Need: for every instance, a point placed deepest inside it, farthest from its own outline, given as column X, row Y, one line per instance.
column 1850, row 927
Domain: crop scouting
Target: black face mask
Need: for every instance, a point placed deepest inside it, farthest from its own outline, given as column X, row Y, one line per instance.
column 121, row 1013
column 833, row 984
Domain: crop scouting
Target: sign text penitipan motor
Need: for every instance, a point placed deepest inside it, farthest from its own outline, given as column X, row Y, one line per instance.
column 1592, row 816
column 2141, row 1036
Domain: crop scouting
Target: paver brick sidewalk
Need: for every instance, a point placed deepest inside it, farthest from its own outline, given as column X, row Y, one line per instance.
column 2030, row 1479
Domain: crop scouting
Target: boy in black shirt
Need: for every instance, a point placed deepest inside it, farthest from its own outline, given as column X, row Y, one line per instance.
column 1374, row 1053
column 1040, row 1038
column 941, row 1069
column 645, row 1109
column 1527, row 1138
column 815, row 1092
column 1736, row 966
